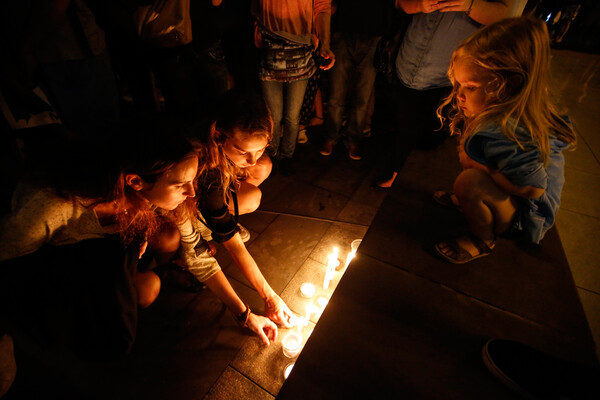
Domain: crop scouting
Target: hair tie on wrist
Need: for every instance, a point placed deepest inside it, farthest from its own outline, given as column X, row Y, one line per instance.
column 242, row 319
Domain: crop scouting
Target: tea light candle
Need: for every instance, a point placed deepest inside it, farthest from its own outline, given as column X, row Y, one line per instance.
column 291, row 343
column 287, row 371
column 322, row 301
column 307, row 290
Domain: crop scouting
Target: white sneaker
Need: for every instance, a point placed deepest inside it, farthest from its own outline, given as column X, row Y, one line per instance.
column 302, row 138
column 244, row 233
column 8, row 365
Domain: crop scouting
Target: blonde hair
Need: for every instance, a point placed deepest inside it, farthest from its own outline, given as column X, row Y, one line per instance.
column 515, row 52
column 244, row 114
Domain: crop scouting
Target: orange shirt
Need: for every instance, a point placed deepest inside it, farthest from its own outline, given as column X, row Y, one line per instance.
column 292, row 19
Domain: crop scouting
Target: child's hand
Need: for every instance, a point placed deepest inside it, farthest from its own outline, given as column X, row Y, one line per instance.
column 263, row 327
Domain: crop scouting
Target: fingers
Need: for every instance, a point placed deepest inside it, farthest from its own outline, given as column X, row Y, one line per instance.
column 328, row 55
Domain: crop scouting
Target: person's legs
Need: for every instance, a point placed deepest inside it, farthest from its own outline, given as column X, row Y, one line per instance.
column 489, row 211
column 258, row 173
column 414, row 114
column 338, row 86
column 273, row 94
column 364, row 78
column 293, row 98
column 248, row 194
column 162, row 246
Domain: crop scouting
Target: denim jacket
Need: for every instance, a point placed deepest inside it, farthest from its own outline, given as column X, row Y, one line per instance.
column 424, row 56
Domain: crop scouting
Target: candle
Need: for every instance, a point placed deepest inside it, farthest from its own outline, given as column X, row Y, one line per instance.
column 307, row 318
column 300, row 325
column 322, row 301
column 307, row 290
column 310, row 309
column 291, row 343
column 288, row 369
column 350, row 257
column 332, row 262
column 355, row 243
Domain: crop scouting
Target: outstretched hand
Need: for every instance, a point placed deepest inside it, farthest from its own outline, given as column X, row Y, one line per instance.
column 263, row 327
column 278, row 311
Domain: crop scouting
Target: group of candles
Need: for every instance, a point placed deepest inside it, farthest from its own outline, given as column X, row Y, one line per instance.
column 292, row 341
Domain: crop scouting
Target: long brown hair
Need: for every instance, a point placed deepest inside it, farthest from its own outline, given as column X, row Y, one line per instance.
column 242, row 113
column 515, row 52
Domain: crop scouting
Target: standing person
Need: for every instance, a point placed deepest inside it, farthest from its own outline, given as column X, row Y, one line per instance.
column 232, row 151
column 359, row 27
column 435, row 30
column 512, row 138
column 286, row 36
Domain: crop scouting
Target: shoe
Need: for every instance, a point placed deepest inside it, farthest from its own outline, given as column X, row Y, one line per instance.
column 8, row 365
column 536, row 375
column 354, row 152
column 244, row 233
column 302, row 138
column 286, row 167
column 327, row 148
column 458, row 254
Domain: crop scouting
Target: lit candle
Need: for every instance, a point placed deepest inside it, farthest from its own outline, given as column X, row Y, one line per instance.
column 322, row 301
column 291, row 344
column 288, row 369
column 332, row 262
column 307, row 318
column 307, row 290
column 350, row 257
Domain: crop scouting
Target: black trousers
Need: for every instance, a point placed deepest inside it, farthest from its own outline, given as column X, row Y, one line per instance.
column 77, row 298
column 409, row 120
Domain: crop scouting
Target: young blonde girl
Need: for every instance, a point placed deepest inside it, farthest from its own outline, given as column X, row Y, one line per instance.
column 512, row 138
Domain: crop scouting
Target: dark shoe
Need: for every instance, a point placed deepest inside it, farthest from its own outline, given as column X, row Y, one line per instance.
column 354, row 152
column 534, row 374
column 286, row 167
column 327, row 148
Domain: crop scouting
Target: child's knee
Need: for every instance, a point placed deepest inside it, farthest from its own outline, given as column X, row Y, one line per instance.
column 468, row 184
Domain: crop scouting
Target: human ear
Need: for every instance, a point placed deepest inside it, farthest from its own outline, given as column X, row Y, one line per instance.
column 134, row 181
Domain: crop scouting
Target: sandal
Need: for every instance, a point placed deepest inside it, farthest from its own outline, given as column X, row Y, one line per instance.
column 458, row 255
column 445, row 199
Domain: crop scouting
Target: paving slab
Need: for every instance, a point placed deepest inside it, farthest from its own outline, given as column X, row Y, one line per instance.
column 282, row 248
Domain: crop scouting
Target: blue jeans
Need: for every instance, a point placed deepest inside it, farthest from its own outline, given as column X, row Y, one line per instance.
column 284, row 99
column 353, row 67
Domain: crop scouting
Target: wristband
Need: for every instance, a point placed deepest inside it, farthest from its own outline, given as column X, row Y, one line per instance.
column 242, row 319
